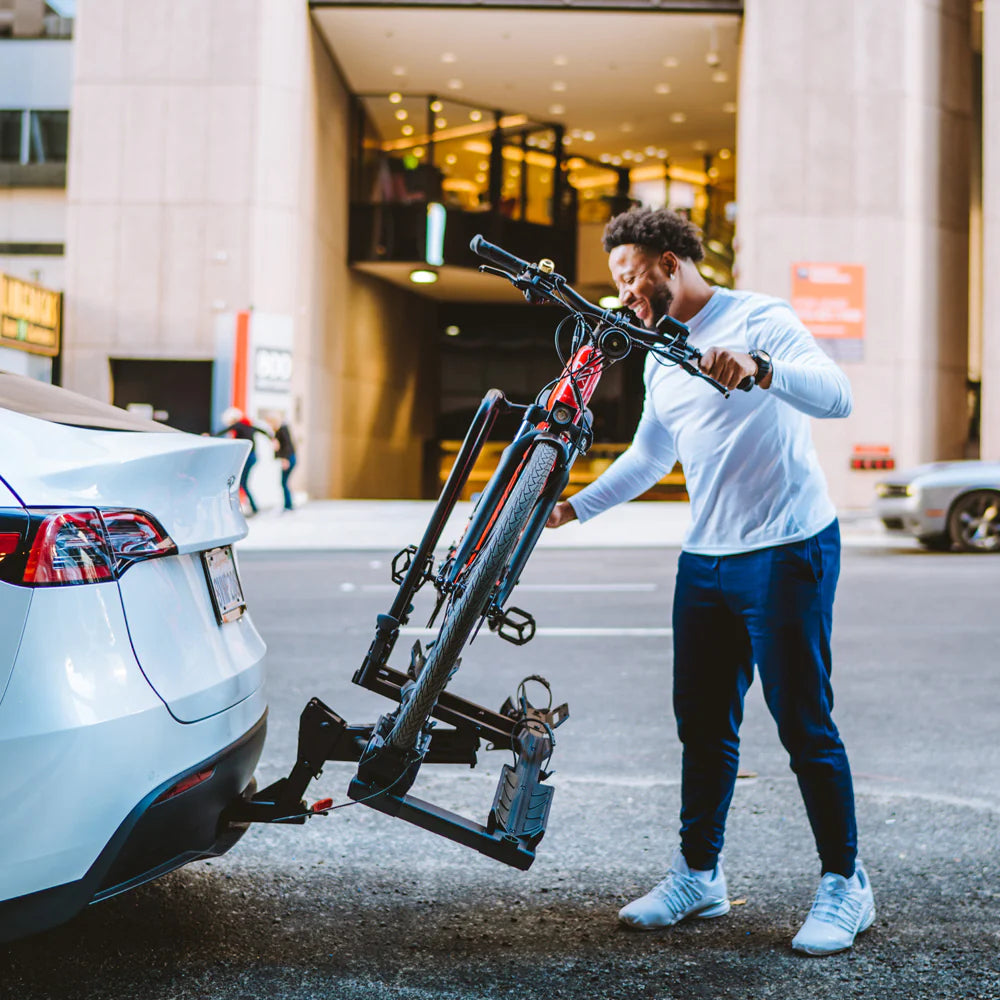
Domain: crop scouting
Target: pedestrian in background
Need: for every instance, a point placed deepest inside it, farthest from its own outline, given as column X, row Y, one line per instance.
column 284, row 452
column 758, row 568
column 236, row 424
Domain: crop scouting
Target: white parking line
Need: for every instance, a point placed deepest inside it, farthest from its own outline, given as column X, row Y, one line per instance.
column 567, row 588
column 563, row 633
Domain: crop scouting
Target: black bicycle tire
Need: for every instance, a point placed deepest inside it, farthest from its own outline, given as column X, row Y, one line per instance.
column 464, row 612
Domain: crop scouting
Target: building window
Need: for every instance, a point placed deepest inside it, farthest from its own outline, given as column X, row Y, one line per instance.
column 10, row 136
column 48, row 134
column 33, row 136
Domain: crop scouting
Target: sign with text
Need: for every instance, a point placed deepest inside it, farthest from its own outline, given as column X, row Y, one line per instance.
column 830, row 301
column 29, row 316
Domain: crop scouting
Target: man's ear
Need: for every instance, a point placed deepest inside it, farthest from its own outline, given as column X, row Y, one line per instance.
column 669, row 262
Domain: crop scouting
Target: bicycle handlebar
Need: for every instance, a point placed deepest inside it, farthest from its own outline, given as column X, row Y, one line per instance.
column 538, row 281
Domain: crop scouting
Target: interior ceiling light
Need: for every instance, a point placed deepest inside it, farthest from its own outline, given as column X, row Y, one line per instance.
column 475, row 116
column 440, row 122
column 395, row 98
column 407, row 130
column 720, row 76
column 589, row 136
column 560, row 61
column 678, row 117
column 481, row 178
column 724, row 154
column 559, row 86
column 436, row 106
column 451, row 159
column 455, row 85
column 448, row 57
column 423, row 277
column 700, row 145
column 729, row 107
column 671, row 62
column 626, row 126
column 650, row 151
column 662, row 88
column 399, row 71
column 557, row 109
column 402, row 115
column 452, row 331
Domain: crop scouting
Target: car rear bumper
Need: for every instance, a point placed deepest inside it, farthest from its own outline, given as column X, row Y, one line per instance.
column 167, row 829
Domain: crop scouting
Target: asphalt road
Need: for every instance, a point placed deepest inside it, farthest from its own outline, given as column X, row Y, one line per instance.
column 357, row 904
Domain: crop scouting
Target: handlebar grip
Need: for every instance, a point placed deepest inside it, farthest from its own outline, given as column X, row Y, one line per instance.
column 747, row 383
column 497, row 255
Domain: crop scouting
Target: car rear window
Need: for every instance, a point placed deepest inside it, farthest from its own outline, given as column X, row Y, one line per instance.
column 60, row 406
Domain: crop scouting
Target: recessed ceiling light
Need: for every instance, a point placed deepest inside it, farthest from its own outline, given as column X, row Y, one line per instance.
column 628, row 154
column 407, row 130
column 729, row 107
column 626, row 126
column 436, row 106
column 484, row 165
column 557, row 109
column 422, row 277
column 678, row 117
column 399, row 71
column 451, row 159
column 402, row 115
column 589, row 136
column 452, row 331
column 558, row 86
column 395, row 98
column 440, row 122
column 671, row 62
column 419, row 152
column 475, row 116
column 455, row 84
column 662, row 88
column 720, row 76
column 560, row 61
column 713, row 173
column 448, row 57
column 662, row 154
column 724, row 154
column 700, row 145
column 480, row 178
column 650, row 151
column 616, row 161
column 605, row 157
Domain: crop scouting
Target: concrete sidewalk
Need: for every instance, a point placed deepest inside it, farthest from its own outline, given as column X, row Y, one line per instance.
column 393, row 524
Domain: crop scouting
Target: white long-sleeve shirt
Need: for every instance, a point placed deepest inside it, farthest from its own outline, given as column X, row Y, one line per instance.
column 749, row 463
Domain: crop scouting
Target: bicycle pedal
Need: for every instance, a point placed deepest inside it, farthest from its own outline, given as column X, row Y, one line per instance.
column 513, row 624
column 401, row 563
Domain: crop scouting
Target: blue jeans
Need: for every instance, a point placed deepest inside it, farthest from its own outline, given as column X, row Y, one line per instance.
column 286, row 492
column 773, row 608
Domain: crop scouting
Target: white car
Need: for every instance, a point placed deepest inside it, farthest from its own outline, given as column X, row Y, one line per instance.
column 131, row 675
column 946, row 505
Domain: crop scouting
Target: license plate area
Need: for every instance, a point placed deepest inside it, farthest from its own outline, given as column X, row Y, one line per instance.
column 224, row 584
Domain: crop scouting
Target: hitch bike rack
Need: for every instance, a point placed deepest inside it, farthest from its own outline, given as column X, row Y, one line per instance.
column 519, row 813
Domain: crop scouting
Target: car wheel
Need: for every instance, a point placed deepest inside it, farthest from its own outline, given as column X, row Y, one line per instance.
column 974, row 521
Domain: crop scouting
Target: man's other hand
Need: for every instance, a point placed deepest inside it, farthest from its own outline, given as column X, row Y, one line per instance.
column 561, row 514
column 729, row 367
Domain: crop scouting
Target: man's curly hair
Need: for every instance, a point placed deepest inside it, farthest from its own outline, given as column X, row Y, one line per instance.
column 656, row 229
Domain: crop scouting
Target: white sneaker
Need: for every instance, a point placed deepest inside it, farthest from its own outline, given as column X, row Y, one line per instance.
column 842, row 909
column 681, row 894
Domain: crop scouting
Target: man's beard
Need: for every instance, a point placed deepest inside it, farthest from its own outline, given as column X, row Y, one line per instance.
column 660, row 300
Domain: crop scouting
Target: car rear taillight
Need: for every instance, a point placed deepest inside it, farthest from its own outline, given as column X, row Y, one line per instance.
column 134, row 535
column 69, row 548
column 90, row 546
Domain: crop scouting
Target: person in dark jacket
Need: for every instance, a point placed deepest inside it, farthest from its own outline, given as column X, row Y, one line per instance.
column 284, row 452
column 236, row 424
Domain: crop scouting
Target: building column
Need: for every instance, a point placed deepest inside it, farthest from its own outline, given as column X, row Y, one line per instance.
column 990, row 414
column 854, row 139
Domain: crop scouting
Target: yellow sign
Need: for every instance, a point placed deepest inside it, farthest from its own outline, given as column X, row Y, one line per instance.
column 29, row 316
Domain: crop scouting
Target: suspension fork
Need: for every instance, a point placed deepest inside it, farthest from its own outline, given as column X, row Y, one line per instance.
column 387, row 626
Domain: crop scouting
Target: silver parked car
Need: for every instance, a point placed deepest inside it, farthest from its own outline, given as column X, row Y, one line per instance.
column 947, row 505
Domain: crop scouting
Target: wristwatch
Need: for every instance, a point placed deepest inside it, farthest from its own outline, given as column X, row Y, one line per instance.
column 763, row 361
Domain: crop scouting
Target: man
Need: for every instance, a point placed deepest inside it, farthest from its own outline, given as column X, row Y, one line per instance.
column 758, row 569
column 284, row 452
